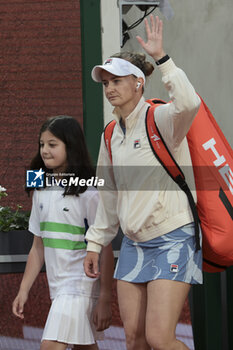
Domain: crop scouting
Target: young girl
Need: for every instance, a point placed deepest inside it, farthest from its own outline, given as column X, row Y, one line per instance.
column 158, row 259
column 80, row 305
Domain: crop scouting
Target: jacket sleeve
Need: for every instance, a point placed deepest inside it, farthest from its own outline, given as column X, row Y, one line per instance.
column 175, row 118
column 106, row 224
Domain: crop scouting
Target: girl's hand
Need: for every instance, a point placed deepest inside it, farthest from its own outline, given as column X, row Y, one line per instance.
column 102, row 315
column 18, row 304
column 154, row 44
column 91, row 264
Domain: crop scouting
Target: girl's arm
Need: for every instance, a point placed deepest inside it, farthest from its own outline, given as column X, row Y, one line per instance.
column 103, row 313
column 34, row 264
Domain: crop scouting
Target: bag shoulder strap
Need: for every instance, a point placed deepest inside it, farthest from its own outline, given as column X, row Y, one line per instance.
column 160, row 148
column 108, row 131
column 168, row 162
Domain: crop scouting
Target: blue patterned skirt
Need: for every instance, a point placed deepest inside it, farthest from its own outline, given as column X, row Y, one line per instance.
column 171, row 256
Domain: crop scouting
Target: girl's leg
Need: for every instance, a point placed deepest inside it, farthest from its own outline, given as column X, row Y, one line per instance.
column 52, row 345
column 165, row 300
column 132, row 300
column 86, row 347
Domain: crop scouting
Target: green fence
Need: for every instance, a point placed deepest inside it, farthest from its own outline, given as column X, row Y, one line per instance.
column 212, row 311
column 92, row 92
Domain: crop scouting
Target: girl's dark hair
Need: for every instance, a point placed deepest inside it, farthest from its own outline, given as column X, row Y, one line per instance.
column 138, row 59
column 68, row 130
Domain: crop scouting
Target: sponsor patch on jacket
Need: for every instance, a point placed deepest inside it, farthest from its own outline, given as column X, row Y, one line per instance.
column 137, row 144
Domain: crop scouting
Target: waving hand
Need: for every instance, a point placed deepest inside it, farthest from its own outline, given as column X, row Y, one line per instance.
column 154, row 44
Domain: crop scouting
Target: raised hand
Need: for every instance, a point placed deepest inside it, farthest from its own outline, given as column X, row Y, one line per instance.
column 154, row 44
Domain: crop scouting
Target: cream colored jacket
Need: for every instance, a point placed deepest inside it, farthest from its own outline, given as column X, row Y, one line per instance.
column 138, row 194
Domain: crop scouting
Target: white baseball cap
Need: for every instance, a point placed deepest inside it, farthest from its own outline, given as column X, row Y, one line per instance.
column 117, row 66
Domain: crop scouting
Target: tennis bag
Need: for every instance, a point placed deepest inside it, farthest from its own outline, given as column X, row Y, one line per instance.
column 212, row 160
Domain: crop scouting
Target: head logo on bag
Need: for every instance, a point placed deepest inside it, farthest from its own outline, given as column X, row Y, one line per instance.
column 220, row 163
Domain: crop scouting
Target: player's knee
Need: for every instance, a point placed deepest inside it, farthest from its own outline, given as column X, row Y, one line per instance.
column 134, row 338
column 160, row 340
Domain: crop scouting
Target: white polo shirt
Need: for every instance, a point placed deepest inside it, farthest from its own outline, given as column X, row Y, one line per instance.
column 60, row 222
